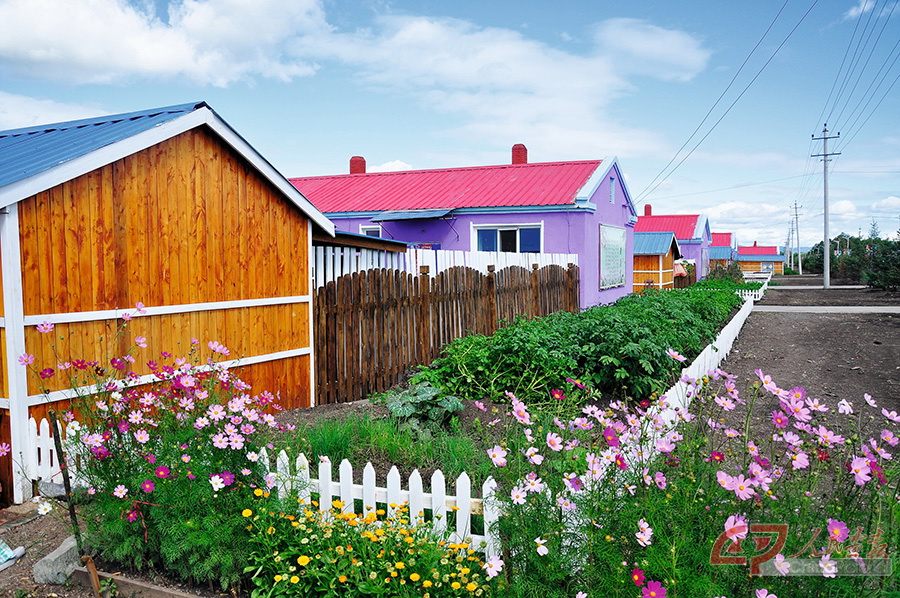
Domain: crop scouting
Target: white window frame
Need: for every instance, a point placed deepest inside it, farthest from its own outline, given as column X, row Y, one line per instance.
column 364, row 229
column 474, row 228
column 612, row 189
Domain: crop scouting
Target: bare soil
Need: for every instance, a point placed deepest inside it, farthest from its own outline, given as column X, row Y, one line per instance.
column 833, row 356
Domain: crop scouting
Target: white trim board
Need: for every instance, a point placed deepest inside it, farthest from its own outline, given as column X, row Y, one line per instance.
column 71, row 393
column 162, row 310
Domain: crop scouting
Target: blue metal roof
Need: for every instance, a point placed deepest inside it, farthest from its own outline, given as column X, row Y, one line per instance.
column 721, row 253
column 29, row 151
column 761, row 258
column 653, row 243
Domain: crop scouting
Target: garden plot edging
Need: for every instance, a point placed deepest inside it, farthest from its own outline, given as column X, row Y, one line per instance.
column 710, row 358
column 128, row 587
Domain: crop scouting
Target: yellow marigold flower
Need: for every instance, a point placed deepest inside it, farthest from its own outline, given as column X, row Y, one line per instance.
column 415, row 577
column 278, row 578
column 393, row 574
column 246, row 512
column 271, row 530
column 303, row 560
column 294, row 579
column 409, row 539
column 456, row 585
column 399, row 564
column 471, row 586
column 342, row 579
column 337, row 504
column 295, row 524
column 258, row 492
column 427, row 583
column 465, row 570
column 380, row 512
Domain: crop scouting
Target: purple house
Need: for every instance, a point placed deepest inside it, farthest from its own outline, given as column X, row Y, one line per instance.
column 691, row 230
column 580, row 207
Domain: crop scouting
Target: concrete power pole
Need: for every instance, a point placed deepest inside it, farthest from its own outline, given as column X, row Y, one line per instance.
column 826, row 246
column 797, row 232
column 787, row 245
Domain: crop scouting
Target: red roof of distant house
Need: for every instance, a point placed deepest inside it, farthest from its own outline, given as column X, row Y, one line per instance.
column 539, row 184
column 684, row 227
column 758, row 250
column 721, row 240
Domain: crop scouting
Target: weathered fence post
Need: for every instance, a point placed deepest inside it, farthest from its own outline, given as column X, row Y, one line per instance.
column 491, row 318
column 424, row 324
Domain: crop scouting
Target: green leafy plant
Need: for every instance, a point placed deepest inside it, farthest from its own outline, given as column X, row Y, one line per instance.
column 421, row 406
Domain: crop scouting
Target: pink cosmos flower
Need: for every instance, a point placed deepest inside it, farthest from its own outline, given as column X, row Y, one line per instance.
column 816, row 405
column 716, row 456
column 675, row 355
column 660, row 480
column 148, row 486
column 481, row 407
column 890, row 437
column 142, row 436
column 133, row 515
column 26, row 359
column 493, row 567
column 497, row 455
column 542, row 549
column 557, row 394
column 781, row 565
column 44, row 327
column 220, row 441
column 724, row 480
column 664, row 445
column 236, row 442
column 533, row 456
column 554, row 442
column 521, row 413
column 736, row 527
column 644, row 533
column 725, row 403
column 764, row 593
column 779, row 419
column 844, row 407
column 870, row 400
column 828, row 566
column 217, row 347
column 141, row 342
column 891, row 415
column 620, row 462
column 741, row 487
column 827, row 437
column 797, row 409
column 5, row 449
column 837, row 530
column 799, row 460
column 565, row 503
column 860, row 469
column 533, row 483
column 120, row 491
column 517, row 495
column 654, row 589
column 637, row 576
column 162, row 471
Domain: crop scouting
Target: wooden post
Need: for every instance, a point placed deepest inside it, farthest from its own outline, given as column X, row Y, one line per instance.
column 491, row 300
column 535, row 307
column 424, row 324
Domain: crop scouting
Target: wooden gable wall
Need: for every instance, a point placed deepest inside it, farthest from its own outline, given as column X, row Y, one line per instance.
column 185, row 222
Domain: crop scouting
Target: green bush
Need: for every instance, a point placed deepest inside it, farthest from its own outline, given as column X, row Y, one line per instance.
column 619, row 349
column 423, row 407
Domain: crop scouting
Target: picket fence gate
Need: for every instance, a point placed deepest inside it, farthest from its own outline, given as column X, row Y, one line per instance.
column 333, row 262
column 447, row 512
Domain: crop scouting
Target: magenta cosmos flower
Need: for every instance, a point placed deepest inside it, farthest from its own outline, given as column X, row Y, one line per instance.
column 162, row 471
column 611, row 438
column 837, row 530
column 148, row 486
column 637, row 576
column 654, row 589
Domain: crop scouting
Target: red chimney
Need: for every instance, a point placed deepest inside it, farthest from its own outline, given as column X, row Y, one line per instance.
column 519, row 154
column 357, row 165
column 648, row 210
column 754, row 243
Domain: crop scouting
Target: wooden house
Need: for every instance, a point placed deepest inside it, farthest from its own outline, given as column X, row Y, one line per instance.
column 167, row 207
column 691, row 230
column 760, row 258
column 654, row 260
column 721, row 250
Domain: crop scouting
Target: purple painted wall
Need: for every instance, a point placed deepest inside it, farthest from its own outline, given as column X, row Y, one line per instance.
column 575, row 230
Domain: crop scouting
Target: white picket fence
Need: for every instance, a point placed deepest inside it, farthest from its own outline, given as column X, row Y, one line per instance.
column 448, row 512
column 763, row 277
column 333, row 262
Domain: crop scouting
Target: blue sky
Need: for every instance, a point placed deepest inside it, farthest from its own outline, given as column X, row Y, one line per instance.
column 428, row 84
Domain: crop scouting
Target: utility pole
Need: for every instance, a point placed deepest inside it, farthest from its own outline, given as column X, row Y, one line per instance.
column 797, row 229
column 787, row 245
column 826, row 246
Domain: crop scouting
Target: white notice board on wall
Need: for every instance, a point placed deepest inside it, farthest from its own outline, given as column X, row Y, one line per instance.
column 612, row 256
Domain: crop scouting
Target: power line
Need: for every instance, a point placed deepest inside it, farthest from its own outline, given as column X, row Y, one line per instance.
column 643, row 195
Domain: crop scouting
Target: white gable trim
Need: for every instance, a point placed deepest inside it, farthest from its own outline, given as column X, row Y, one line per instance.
column 599, row 177
column 67, row 171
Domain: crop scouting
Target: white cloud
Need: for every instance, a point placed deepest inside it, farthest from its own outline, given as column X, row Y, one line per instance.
column 103, row 41
column 392, row 166
column 17, row 111
column 888, row 205
column 861, row 8
column 842, row 207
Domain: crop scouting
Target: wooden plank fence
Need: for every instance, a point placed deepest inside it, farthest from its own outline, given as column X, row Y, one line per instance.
column 371, row 327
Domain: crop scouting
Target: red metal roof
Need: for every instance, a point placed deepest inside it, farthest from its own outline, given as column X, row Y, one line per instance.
column 540, row 184
column 721, row 240
column 684, row 226
column 758, row 250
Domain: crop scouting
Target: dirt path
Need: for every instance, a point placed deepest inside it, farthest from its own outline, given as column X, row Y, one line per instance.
column 833, row 355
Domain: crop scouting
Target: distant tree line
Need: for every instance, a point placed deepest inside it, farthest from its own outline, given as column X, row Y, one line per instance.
column 870, row 260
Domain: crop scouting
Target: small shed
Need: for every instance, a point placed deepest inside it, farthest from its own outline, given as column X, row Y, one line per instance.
column 760, row 258
column 722, row 251
column 691, row 230
column 654, row 260
column 169, row 207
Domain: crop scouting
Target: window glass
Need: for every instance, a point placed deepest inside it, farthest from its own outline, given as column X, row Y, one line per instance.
column 529, row 240
column 371, row 231
column 508, row 240
column 487, row 239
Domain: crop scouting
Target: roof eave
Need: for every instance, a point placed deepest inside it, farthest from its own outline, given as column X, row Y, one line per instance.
column 203, row 115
